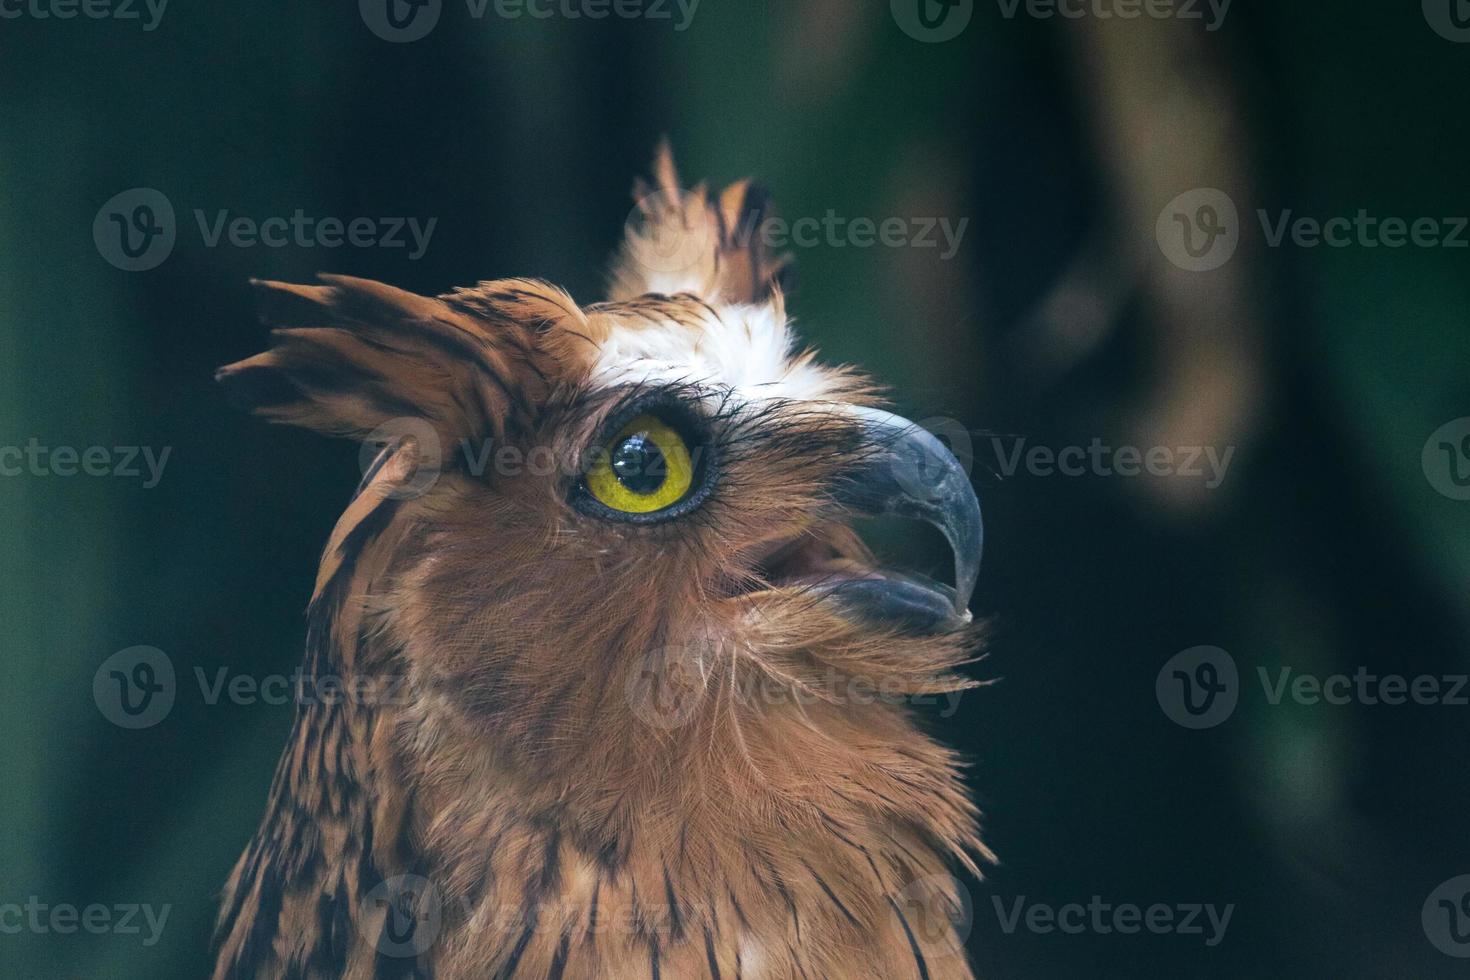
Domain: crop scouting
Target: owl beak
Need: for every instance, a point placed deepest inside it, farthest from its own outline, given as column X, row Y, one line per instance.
column 908, row 472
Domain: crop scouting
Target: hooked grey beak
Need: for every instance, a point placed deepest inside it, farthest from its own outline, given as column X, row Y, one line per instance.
column 910, row 473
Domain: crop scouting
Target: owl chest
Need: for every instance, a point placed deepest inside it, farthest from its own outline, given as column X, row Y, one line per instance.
column 546, row 908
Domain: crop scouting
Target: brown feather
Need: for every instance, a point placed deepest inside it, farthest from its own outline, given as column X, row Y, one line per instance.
column 786, row 818
column 713, row 247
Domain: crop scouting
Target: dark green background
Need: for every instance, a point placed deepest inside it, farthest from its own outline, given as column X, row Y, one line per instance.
column 1325, row 549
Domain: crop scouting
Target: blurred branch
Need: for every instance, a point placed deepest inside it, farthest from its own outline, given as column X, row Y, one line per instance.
column 1166, row 119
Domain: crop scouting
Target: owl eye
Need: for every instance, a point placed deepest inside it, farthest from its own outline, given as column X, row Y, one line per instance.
column 643, row 470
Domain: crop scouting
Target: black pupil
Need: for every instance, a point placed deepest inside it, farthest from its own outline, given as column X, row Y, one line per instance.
column 638, row 464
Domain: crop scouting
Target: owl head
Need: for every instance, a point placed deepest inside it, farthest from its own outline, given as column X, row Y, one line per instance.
column 612, row 545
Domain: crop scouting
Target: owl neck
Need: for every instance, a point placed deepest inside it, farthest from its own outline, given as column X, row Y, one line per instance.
column 299, row 901
column 789, row 839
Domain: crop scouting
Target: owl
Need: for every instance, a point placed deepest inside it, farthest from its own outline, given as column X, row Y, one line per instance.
column 600, row 680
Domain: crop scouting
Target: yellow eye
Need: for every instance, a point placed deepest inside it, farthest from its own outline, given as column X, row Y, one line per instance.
column 645, row 467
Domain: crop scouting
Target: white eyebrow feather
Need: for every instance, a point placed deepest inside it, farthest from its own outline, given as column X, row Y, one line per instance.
column 747, row 349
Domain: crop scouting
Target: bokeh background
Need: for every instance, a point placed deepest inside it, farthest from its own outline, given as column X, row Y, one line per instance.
column 1061, row 319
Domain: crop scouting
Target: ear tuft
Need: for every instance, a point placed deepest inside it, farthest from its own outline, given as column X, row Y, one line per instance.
column 253, row 388
column 680, row 241
column 351, row 355
column 532, row 303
